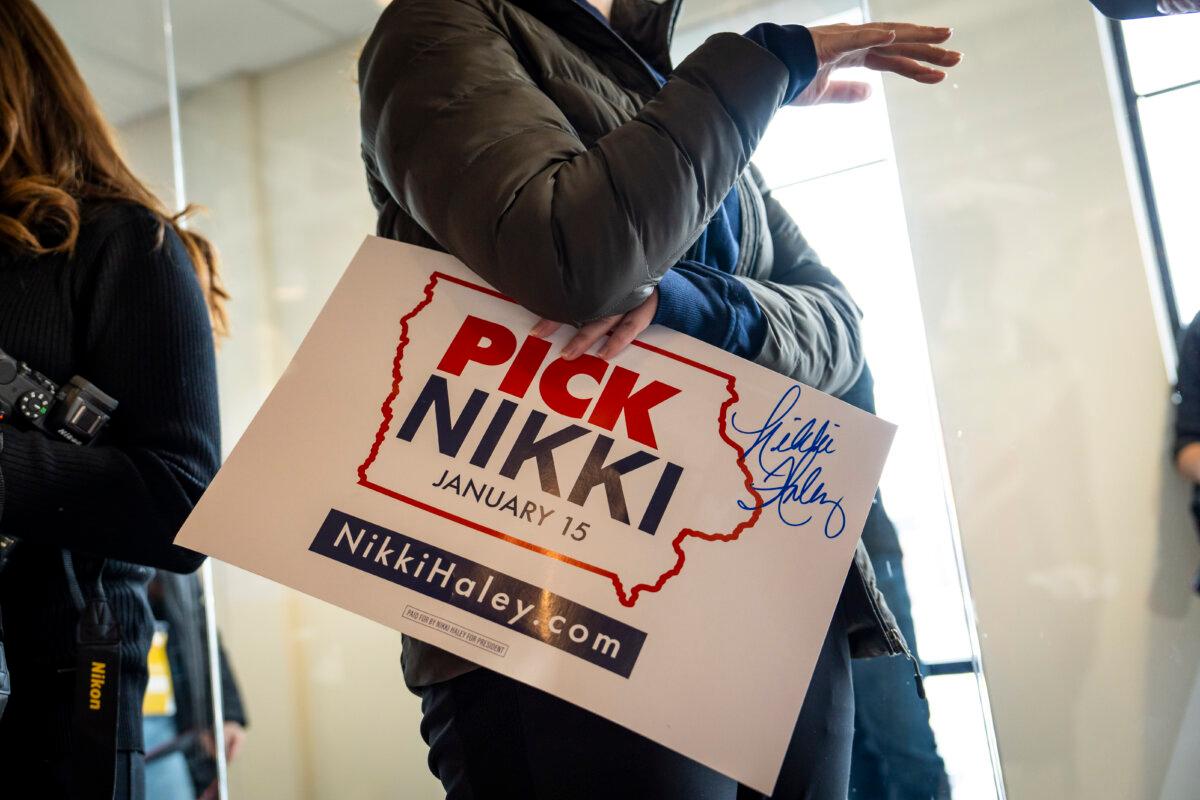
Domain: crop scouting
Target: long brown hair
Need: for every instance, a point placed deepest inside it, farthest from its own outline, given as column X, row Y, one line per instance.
column 56, row 150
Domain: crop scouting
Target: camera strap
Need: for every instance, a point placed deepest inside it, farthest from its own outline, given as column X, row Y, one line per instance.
column 6, row 546
column 97, row 689
column 5, row 677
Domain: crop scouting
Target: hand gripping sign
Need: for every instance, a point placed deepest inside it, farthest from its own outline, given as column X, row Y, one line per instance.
column 660, row 538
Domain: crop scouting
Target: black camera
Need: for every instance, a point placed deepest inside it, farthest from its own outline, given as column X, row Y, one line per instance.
column 76, row 412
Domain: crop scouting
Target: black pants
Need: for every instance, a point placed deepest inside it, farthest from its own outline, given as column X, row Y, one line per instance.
column 895, row 756
column 493, row 737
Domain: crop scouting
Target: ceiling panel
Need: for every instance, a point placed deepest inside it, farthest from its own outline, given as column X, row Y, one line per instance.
column 119, row 43
column 132, row 27
column 118, row 47
column 350, row 18
column 217, row 38
column 123, row 93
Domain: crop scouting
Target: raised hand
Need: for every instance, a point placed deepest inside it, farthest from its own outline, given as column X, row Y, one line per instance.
column 905, row 49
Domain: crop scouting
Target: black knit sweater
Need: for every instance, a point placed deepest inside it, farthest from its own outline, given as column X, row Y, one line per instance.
column 126, row 313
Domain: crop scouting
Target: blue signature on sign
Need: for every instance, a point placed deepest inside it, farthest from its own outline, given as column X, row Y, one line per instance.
column 787, row 448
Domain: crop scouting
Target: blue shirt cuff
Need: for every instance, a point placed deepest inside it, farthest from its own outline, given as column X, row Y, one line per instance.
column 793, row 45
column 711, row 306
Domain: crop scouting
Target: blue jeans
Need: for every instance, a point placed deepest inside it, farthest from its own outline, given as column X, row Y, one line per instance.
column 167, row 778
column 895, row 757
column 492, row 737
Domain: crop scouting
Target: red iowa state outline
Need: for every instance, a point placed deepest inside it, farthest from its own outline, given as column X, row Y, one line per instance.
column 627, row 597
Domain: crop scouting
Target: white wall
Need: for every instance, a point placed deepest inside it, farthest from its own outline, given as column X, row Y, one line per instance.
column 274, row 156
column 1054, row 399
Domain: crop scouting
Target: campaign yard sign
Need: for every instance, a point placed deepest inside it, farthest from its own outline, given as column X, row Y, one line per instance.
column 660, row 538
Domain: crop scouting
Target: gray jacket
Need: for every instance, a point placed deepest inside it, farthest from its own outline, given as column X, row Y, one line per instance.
column 530, row 141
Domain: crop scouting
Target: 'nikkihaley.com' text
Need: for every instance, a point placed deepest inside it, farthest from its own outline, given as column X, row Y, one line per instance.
column 479, row 590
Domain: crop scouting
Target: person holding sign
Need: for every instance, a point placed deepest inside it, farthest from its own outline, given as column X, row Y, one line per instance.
column 552, row 147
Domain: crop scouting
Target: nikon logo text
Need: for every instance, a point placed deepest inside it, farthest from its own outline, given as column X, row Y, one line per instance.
column 96, row 690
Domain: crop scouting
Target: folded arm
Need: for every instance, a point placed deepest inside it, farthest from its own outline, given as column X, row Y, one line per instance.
column 477, row 154
column 149, row 345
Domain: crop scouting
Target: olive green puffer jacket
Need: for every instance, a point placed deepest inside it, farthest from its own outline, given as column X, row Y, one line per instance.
column 529, row 140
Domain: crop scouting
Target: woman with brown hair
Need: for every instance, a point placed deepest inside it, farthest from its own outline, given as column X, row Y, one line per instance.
column 97, row 279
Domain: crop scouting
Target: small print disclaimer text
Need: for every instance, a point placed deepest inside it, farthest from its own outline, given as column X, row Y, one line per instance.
column 457, row 631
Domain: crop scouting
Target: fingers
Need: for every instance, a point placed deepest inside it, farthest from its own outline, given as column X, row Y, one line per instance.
column 930, row 54
column 631, row 326
column 545, row 327
column 233, row 746
column 1178, row 6
column 834, row 42
column 863, row 38
column 587, row 336
column 622, row 329
column 908, row 33
column 845, row 44
column 905, row 67
column 846, row 92
column 628, row 329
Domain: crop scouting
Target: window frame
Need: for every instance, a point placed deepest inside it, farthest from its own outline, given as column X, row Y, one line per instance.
column 1130, row 99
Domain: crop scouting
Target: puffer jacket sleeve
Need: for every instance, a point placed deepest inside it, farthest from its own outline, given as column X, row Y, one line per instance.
column 469, row 146
column 812, row 330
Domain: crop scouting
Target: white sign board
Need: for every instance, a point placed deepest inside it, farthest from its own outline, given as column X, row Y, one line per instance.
column 660, row 538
